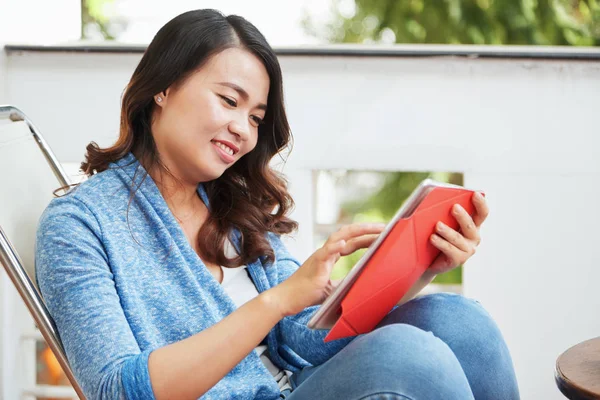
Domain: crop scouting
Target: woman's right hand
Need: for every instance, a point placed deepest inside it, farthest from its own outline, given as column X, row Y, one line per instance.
column 310, row 284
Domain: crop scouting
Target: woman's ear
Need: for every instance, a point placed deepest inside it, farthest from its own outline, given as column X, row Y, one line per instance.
column 161, row 98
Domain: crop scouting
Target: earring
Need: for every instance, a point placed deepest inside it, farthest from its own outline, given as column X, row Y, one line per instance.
column 159, row 99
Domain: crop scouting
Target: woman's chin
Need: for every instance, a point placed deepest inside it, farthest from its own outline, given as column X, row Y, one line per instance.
column 214, row 173
column 206, row 172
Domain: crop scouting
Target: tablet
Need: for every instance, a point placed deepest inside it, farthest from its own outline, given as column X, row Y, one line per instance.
column 329, row 312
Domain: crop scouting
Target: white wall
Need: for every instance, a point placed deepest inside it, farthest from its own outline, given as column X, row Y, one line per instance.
column 525, row 131
column 3, row 60
column 42, row 22
column 4, row 285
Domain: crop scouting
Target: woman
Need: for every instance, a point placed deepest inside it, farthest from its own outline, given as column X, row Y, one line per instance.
column 166, row 275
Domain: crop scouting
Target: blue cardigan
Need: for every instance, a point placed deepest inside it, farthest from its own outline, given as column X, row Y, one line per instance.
column 121, row 282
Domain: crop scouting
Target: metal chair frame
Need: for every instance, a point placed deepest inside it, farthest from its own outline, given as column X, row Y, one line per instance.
column 14, row 266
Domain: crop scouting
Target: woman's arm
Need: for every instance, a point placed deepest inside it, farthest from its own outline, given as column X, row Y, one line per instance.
column 174, row 369
column 79, row 290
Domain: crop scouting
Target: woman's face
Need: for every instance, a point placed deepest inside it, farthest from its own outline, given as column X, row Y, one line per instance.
column 203, row 126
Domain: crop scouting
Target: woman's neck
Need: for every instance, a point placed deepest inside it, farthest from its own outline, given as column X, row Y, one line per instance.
column 181, row 197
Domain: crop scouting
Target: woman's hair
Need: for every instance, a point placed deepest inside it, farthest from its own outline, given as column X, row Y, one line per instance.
column 249, row 196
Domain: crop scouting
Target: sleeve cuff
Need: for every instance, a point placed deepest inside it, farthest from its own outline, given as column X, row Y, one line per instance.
column 136, row 378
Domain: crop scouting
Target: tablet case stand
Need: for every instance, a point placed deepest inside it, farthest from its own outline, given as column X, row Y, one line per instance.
column 398, row 263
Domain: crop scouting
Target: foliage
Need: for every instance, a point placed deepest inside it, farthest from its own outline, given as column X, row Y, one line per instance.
column 515, row 22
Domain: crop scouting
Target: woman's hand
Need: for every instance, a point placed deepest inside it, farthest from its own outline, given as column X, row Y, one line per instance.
column 459, row 247
column 333, row 284
column 310, row 284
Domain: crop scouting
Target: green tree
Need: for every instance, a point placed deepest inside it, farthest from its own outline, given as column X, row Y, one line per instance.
column 516, row 22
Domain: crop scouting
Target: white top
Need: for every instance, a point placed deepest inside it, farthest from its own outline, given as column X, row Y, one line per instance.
column 238, row 285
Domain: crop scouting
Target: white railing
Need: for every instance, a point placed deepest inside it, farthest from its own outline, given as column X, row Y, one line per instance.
column 49, row 391
column 521, row 126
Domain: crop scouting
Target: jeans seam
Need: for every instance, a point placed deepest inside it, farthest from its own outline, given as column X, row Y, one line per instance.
column 400, row 396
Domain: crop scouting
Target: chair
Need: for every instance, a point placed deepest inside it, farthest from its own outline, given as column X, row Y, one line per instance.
column 29, row 173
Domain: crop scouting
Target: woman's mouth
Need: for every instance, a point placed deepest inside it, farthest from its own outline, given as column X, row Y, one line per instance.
column 225, row 152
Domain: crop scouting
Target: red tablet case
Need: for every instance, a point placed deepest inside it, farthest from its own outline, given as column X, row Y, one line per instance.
column 398, row 263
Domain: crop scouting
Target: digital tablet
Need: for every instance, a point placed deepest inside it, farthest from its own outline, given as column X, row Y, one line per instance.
column 329, row 312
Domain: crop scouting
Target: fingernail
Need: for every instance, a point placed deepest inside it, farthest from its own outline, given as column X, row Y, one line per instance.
column 456, row 208
column 440, row 226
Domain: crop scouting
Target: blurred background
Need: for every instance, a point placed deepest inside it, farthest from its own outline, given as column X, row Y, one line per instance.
column 498, row 95
column 528, row 22
column 308, row 22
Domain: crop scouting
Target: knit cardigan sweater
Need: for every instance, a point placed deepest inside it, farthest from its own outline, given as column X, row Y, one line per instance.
column 120, row 280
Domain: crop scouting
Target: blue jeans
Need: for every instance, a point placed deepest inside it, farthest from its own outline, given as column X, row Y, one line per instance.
column 440, row 346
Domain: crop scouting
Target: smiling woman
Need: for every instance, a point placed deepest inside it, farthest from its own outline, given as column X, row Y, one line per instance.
column 166, row 274
column 196, row 112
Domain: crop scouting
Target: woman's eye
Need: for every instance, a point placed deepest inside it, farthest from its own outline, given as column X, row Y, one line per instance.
column 229, row 101
column 257, row 120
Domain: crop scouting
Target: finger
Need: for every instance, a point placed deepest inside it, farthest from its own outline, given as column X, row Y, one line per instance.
column 453, row 237
column 335, row 282
column 481, row 208
column 348, row 232
column 361, row 242
column 467, row 225
column 331, row 251
column 453, row 253
column 329, row 288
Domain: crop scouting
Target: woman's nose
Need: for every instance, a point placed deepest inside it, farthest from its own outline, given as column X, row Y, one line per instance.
column 240, row 129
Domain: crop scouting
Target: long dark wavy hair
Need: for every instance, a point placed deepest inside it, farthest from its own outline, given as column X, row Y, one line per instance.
column 250, row 196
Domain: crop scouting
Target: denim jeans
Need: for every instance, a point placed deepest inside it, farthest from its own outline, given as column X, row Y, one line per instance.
column 440, row 346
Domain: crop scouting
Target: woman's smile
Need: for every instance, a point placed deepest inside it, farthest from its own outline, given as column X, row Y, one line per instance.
column 224, row 151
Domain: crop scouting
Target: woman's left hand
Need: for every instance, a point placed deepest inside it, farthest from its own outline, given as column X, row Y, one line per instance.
column 458, row 247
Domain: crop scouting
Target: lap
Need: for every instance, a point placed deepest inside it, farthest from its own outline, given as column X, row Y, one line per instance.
column 431, row 343
column 398, row 361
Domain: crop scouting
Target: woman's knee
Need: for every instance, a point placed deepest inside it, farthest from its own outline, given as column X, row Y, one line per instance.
column 407, row 359
column 405, row 345
column 446, row 314
column 471, row 321
column 453, row 302
column 469, row 330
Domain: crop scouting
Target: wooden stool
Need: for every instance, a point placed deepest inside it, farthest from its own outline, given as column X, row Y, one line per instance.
column 577, row 372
